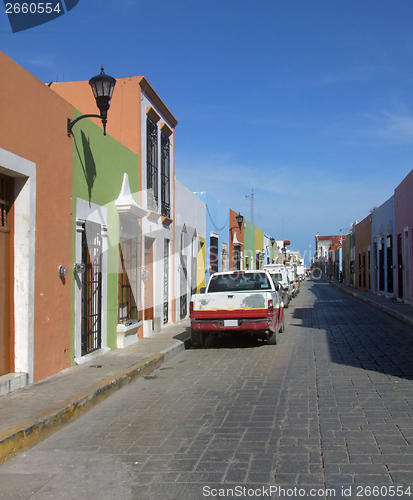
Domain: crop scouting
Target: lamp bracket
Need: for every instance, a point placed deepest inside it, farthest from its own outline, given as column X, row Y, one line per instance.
column 71, row 123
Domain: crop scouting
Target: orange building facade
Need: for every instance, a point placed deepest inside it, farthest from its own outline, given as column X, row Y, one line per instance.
column 236, row 242
column 140, row 121
column 36, row 171
column 363, row 254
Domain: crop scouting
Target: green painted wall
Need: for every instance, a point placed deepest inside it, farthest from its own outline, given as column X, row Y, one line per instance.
column 259, row 241
column 249, row 245
column 99, row 164
column 273, row 247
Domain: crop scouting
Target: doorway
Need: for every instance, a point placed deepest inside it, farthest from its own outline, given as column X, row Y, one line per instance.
column 91, row 288
column 399, row 267
column 148, row 280
column 6, row 276
column 407, row 265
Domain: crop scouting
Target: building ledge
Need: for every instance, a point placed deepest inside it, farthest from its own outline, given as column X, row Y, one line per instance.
column 166, row 221
column 152, row 215
column 127, row 334
column 13, row 381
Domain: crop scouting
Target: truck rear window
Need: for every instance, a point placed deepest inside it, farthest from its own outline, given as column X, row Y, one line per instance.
column 277, row 276
column 239, row 282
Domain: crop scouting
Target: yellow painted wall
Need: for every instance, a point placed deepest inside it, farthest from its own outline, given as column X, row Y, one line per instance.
column 200, row 265
column 259, row 242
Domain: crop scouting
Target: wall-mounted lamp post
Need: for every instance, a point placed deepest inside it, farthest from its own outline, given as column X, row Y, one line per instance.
column 102, row 87
column 240, row 220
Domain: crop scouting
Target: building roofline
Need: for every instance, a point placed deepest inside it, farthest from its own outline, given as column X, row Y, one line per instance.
column 150, row 92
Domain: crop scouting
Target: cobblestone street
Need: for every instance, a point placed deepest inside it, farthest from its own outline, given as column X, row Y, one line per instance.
column 326, row 413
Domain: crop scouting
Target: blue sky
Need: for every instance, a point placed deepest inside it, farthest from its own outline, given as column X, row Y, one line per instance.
column 307, row 102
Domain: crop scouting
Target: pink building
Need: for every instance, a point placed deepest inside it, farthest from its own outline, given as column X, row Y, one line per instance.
column 403, row 208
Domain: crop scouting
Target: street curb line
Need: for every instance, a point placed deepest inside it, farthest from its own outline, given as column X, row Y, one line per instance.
column 25, row 435
column 175, row 349
column 385, row 309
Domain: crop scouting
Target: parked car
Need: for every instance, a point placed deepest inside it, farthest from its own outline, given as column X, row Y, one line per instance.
column 280, row 275
column 237, row 303
column 293, row 278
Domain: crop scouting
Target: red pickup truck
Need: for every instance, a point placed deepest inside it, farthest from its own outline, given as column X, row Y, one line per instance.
column 235, row 303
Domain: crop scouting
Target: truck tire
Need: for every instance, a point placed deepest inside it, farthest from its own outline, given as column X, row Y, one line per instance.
column 272, row 340
column 197, row 339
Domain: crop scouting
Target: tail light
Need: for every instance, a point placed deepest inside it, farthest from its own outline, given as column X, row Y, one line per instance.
column 270, row 304
column 191, row 307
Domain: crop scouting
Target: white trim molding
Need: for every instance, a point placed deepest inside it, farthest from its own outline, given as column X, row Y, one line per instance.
column 24, row 173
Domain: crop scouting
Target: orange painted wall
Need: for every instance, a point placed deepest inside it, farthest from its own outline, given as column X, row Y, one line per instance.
column 33, row 126
column 240, row 236
column 124, row 114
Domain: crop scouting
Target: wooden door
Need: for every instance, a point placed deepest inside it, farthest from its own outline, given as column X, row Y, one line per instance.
column 6, row 277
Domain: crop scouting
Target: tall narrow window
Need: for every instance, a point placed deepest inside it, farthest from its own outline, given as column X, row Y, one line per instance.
column 381, row 265
column 224, row 254
column 92, row 287
column 152, row 164
column 165, row 176
column 400, row 266
column 213, row 256
column 389, row 247
column 237, row 258
column 128, row 272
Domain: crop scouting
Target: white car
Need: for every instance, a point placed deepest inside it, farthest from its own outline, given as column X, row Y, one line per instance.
column 280, row 275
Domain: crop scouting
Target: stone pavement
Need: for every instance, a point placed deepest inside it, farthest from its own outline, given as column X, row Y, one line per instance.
column 31, row 414
column 392, row 306
column 328, row 410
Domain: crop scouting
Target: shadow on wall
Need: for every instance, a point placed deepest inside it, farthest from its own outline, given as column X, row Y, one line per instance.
column 88, row 163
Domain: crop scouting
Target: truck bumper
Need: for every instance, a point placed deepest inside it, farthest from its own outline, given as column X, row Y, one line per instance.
column 233, row 326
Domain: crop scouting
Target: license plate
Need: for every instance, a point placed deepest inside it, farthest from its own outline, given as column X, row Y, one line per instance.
column 230, row 322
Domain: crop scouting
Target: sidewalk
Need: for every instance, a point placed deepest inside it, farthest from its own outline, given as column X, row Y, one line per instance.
column 31, row 414
column 400, row 310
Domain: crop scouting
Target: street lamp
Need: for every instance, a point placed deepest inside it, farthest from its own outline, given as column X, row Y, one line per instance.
column 102, row 87
column 240, row 220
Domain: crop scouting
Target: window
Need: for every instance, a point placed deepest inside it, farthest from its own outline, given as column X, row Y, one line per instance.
column 400, row 266
column 381, row 264
column 237, row 258
column 152, row 164
column 128, row 272
column 213, row 256
column 239, row 282
column 224, row 254
column 389, row 246
column 165, row 176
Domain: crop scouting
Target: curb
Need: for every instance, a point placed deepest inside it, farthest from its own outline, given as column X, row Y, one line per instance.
column 28, row 433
